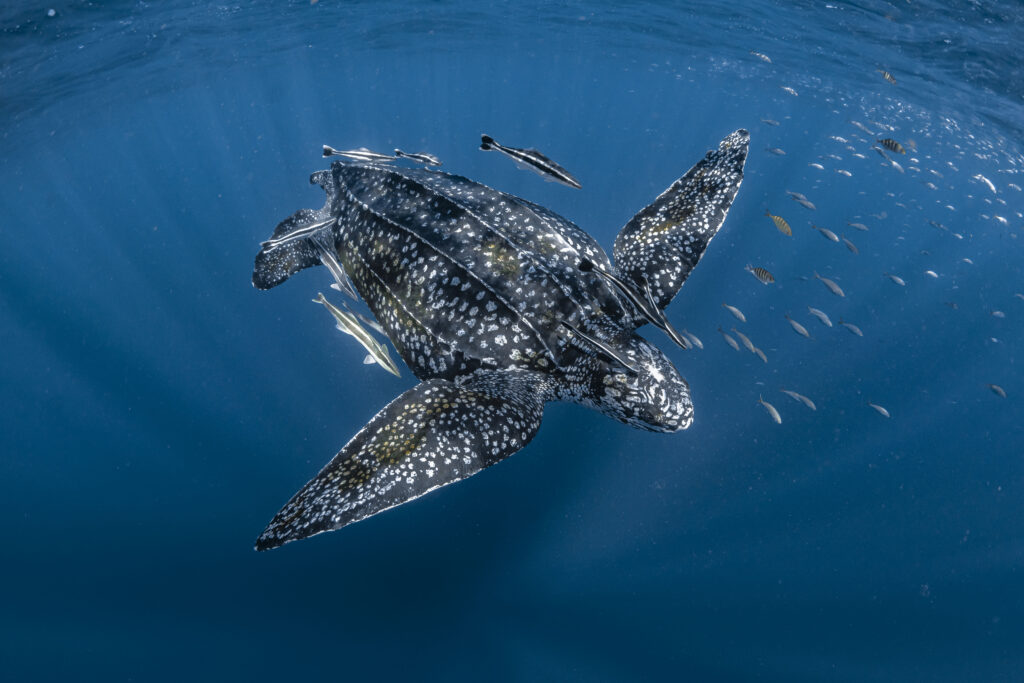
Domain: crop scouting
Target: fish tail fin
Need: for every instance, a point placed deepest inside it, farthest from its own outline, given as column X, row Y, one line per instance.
column 399, row 153
column 486, row 142
column 767, row 213
column 329, row 151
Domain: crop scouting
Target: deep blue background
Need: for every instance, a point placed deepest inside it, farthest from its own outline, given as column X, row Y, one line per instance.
column 157, row 410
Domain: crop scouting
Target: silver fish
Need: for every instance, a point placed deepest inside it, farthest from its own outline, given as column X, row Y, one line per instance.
column 760, row 354
column 729, row 340
column 736, row 312
column 820, row 315
column 998, row 314
column 896, row 278
column 419, row 157
column 762, row 56
column 832, row 286
column 863, row 128
column 800, row 397
column 859, row 226
column 817, row 166
column 361, row 154
column 800, row 329
column 746, row 340
column 844, row 172
column 770, row 122
column 997, row 390
column 532, row 160
column 828, row 234
column 851, row 327
column 987, row 182
column 694, row 339
column 796, row 195
column 789, row 90
column 851, row 246
column 967, row 261
column 881, row 411
column 1019, row 295
column 931, row 273
column 771, row 410
column 807, row 204
column 349, row 324
column 777, row 151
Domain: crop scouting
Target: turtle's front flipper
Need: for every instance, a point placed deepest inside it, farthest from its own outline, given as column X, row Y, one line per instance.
column 434, row 434
column 661, row 244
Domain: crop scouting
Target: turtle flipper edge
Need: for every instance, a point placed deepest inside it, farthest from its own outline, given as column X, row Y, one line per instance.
column 662, row 243
column 434, row 434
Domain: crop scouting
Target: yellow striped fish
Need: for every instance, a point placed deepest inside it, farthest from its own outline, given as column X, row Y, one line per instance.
column 780, row 223
column 761, row 274
column 887, row 76
column 892, row 145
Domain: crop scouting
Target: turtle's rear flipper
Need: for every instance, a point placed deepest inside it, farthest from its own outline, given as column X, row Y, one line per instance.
column 434, row 434
column 664, row 241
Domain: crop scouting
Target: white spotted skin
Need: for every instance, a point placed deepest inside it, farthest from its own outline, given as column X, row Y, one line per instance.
column 483, row 296
column 663, row 243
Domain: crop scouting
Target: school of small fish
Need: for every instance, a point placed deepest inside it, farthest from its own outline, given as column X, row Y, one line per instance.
column 885, row 236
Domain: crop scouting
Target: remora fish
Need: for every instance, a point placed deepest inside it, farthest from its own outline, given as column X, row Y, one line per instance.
column 820, row 315
column 532, row 160
column 832, row 286
column 771, row 410
column 419, row 157
column 301, row 233
column 361, row 154
column 761, row 274
column 349, row 324
column 800, row 397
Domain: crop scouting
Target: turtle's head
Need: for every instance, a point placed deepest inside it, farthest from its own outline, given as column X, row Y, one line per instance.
column 650, row 394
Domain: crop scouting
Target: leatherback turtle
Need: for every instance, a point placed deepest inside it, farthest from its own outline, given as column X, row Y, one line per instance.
column 498, row 306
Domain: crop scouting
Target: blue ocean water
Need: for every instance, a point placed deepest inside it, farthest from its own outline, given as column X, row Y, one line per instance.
column 158, row 410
